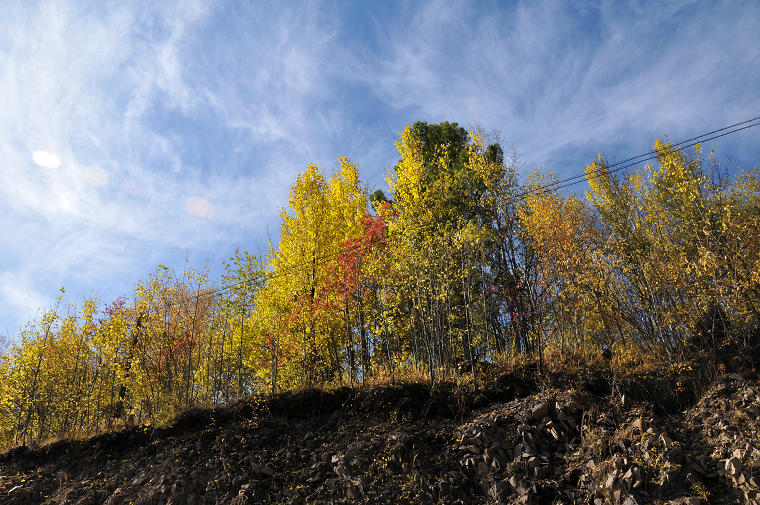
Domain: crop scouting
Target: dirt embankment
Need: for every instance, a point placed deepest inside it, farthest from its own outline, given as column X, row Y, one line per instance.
column 567, row 440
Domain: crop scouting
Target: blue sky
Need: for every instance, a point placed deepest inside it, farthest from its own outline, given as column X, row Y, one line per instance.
column 176, row 131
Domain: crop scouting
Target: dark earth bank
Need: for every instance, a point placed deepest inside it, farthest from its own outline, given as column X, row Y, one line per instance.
column 525, row 439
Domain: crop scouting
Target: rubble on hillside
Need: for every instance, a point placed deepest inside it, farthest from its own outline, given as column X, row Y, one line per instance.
column 565, row 447
column 410, row 445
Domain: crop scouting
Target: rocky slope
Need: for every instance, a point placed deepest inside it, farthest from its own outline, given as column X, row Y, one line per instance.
column 519, row 441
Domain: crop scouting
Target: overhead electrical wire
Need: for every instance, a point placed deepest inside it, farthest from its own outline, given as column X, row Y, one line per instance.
column 635, row 160
column 603, row 170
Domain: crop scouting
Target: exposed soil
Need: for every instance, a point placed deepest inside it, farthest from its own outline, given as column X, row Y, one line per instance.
column 574, row 438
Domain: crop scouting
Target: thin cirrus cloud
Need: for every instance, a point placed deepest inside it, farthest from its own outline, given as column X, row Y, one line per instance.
column 15, row 291
column 69, row 75
column 159, row 137
column 132, row 135
column 553, row 77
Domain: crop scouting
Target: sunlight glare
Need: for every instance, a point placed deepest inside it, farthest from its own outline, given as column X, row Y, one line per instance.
column 46, row 159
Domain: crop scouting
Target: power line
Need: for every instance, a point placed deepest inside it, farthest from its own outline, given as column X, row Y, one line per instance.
column 634, row 160
column 603, row 170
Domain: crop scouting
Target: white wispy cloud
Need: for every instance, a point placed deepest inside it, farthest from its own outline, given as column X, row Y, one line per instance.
column 19, row 296
column 552, row 76
column 73, row 136
column 157, row 130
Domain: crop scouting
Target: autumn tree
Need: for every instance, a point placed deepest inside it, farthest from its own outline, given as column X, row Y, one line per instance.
column 451, row 195
column 668, row 226
column 571, row 298
column 325, row 213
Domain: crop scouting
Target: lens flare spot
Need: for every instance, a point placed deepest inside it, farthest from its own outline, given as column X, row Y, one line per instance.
column 95, row 176
column 200, row 207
